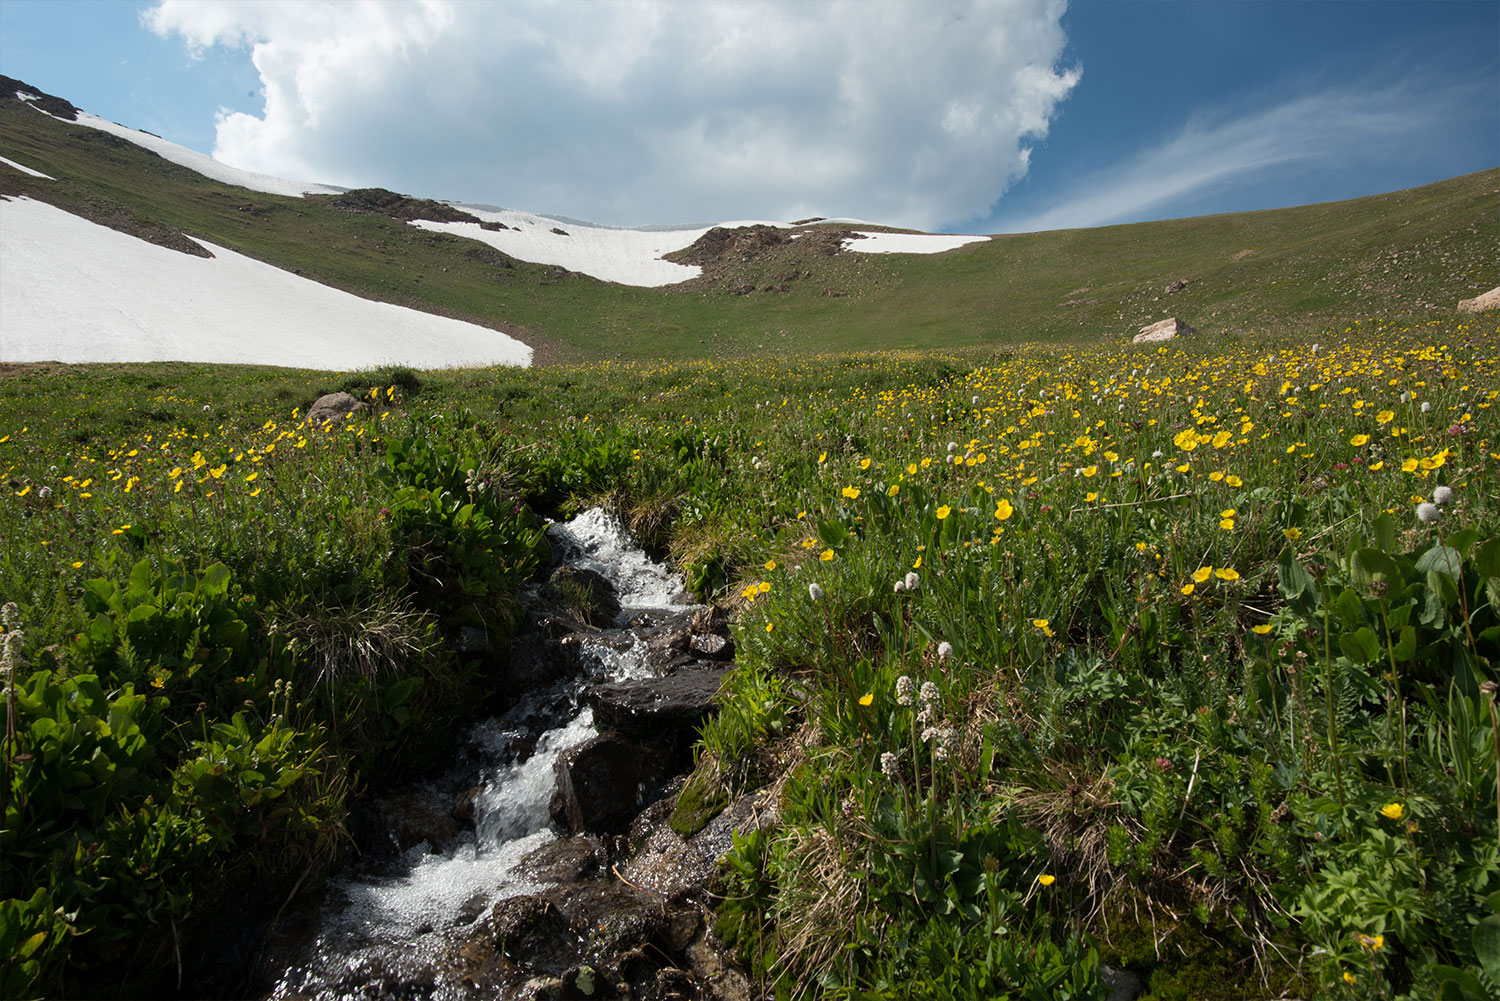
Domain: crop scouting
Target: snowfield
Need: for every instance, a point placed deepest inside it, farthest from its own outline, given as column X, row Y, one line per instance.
column 909, row 243
column 627, row 256
column 75, row 291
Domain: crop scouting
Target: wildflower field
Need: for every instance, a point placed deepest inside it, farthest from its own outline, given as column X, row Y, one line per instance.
column 1178, row 659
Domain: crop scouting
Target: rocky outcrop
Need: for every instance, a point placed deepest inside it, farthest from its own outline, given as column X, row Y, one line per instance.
column 1166, row 330
column 604, row 782
column 1482, row 302
column 657, row 708
column 1176, row 286
column 12, row 89
column 332, row 408
column 383, row 202
column 589, row 593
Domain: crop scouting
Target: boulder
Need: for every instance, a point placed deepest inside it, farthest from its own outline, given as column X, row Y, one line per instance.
column 603, row 783
column 589, row 593
column 1163, row 331
column 1176, row 286
column 1482, row 302
column 657, row 708
column 333, row 408
column 565, row 861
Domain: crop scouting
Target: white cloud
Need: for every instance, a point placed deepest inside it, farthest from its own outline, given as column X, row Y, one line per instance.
column 648, row 111
column 1341, row 131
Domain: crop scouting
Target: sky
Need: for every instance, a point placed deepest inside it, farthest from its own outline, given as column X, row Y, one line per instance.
column 973, row 117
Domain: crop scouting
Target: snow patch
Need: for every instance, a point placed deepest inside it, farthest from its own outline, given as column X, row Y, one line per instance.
column 75, row 291
column 26, row 170
column 206, row 165
column 909, row 243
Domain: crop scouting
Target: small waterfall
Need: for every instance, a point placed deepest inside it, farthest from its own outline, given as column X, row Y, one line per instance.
column 382, row 927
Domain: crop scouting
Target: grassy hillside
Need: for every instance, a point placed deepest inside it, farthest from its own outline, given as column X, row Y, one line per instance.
column 1409, row 254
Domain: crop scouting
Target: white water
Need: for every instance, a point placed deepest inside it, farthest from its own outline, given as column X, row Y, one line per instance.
column 394, row 920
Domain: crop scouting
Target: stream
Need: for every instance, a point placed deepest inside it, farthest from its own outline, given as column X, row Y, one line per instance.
column 401, row 923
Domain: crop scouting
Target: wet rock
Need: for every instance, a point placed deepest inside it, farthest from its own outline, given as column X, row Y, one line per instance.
column 565, row 861
column 713, row 646
column 1123, row 985
column 414, row 815
column 586, row 592
column 544, row 659
column 533, row 933
column 657, row 707
column 463, row 807
column 333, row 408
column 602, row 783
column 471, row 639
column 609, row 918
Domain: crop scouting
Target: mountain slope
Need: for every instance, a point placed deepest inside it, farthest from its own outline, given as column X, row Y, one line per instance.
column 1407, row 254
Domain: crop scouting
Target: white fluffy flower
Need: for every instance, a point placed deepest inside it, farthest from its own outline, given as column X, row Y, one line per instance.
column 905, row 690
column 1426, row 407
column 913, row 581
column 814, row 592
column 1428, row 513
column 888, row 765
column 945, row 651
column 1442, row 495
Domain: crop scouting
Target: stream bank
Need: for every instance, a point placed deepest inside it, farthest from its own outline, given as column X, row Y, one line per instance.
column 540, row 863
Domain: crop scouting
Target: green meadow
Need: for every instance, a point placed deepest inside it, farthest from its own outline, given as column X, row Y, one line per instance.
column 1177, row 659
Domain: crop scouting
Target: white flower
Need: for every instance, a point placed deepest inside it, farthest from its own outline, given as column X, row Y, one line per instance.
column 10, row 615
column 1442, row 495
column 814, row 592
column 952, row 447
column 913, row 581
column 945, row 651
column 905, row 690
column 1405, row 397
column 929, row 694
column 1428, row 513
column 900, row 586
column 888, row 765
column 44, row 492
column 1426, row 407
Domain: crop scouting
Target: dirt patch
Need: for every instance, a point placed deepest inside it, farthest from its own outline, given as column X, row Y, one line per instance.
column 383, row 202
column 21, row 369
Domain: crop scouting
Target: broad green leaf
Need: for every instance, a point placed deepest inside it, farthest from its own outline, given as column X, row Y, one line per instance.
column 1374, row 573
column 1443, row 558
column 1385, row 532
column 1487, row 558
column 1349, row 607
column 1406, row 644
column 1360, row 645
column 1463, row 540
column 1486, row 940
column 1293, row 580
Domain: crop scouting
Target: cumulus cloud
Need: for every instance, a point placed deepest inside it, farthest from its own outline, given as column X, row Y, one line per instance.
column 648, row 111
column 1334, row 130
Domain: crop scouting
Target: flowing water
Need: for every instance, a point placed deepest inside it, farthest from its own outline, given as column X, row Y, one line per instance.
column 386, row 925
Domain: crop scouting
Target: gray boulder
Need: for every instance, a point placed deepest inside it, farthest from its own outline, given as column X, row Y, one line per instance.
column 333, row 408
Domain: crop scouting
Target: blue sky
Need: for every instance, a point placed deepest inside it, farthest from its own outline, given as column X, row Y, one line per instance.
column 968, row 117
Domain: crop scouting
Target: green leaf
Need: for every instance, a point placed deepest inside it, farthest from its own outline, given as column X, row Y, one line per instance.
column 1385, row 532
column 215, row 581
column 1487, row 558
column 1458, row 985
column 832, row 533
column 1349, row 608
column 1293, row 580
column 1443, row 558
column 1374, row 573
column 1486, row 940
column 1463, row 540
column 1360, row 645
column 1406, row 644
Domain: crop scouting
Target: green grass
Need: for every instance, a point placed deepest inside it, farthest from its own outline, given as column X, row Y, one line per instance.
column 1409, row 254
column 1199, row 722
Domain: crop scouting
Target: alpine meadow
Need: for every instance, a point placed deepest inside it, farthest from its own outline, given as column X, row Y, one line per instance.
column 1054, row 666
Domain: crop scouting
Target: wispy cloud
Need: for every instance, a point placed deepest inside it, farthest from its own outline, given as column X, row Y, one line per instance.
column 1345, row 129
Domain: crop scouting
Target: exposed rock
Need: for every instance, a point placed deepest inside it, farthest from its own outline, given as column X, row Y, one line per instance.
column 603, row 783
column 11, row 88
column 590, row 593
column 565, row 861
column 1482, row 302
column 559, row 232
column 713, row 646
column 383, row 202
column 493, row 227
column 1163, row 331
column 532, row 932
column 333, row 408
column 471, row 639
column 1176, row 286
column 657, row 707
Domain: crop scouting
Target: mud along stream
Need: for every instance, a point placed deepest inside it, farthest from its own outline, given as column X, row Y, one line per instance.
column 541, row 864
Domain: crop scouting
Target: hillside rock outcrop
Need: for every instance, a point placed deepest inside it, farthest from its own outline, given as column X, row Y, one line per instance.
column 1482, row 302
